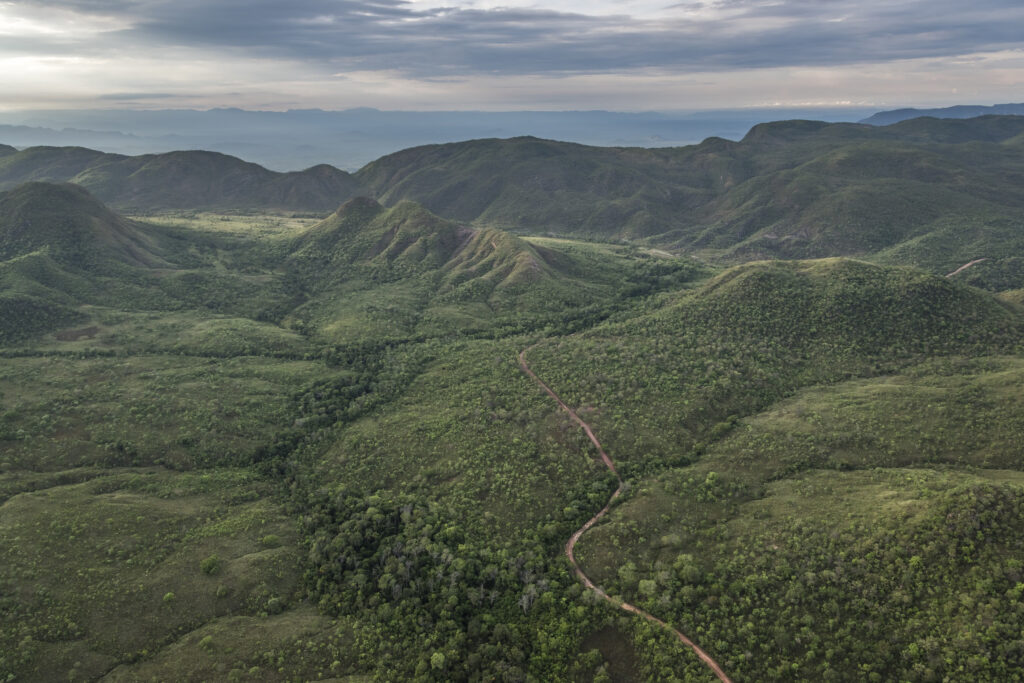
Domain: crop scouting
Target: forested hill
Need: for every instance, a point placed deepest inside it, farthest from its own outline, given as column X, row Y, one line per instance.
column 71, row 227
column 194, row 180
column 788, row 189
column 273, row 448
column 929, row 192
column 961, row 111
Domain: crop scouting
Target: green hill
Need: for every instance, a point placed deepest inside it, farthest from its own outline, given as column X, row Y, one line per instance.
column 542, row 186
column 788, row 189
column 369, row 271
column 193, row 180
column 255, row 451
column 408, row 239
column 65, row 258
column 750, row 483
column 775, row 326
column 928, row 192
column 76, row 229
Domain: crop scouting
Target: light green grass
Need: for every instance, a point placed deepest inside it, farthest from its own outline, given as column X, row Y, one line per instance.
column 81, row 558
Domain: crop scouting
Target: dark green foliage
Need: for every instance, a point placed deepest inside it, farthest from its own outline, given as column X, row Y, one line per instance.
column 412, row 575
column 74, row 228
column 319, row 442
column 995, row 274
column 753, row 335
column 180, row 180
column 26, row 317
column 210, row 565
column 793, row 189
column 807, row 602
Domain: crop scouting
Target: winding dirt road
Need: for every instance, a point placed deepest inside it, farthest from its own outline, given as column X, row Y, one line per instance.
column 966, row 266
column 570, row 546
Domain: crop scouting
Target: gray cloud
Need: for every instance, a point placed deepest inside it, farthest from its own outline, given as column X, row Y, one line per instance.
column 122, row 96
column 342, row 35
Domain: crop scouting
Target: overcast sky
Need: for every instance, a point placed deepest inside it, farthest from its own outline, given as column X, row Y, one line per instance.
column 626, row 55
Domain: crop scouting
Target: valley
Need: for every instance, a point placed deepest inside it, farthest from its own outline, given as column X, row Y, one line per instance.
column 427, row 420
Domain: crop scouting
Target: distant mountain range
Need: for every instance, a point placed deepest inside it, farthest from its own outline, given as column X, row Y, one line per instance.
column 931, row 192
column 963, row 111
column 928, row 191
column 297, row 139
column 200, row 180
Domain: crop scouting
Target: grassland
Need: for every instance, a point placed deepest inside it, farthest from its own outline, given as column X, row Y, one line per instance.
column 173, row 419
column 268, row 448
column 890, row 503
column 934, row 194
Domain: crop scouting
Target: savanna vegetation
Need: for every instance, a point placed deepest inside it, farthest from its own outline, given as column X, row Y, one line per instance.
column 274, row 447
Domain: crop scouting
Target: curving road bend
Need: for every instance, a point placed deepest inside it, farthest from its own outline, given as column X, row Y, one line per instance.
column 570, row 546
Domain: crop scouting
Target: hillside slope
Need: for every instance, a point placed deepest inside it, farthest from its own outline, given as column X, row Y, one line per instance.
column 756, row 492
column 788, row 189
column 774, row 326
column 192, row 180
column 934, row 193
column 74, row 228
column 961, row 111
column 65, row 258
column 311, row 453
column 369, row 270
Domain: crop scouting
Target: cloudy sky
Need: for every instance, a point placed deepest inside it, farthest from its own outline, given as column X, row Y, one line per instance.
column 509, row 54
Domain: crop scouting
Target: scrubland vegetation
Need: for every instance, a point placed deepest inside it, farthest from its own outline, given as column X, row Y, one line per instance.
column 276, row 448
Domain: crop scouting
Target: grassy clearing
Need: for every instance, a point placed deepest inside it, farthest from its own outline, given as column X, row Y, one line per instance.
column 792, row 434
column 258, row 226
column 81, row 557
column 179, row 411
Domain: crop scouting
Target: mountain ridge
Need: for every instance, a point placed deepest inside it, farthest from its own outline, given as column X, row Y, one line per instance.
column 790, row 189
column 72, row 226
column 960, row 111
column 193, row 179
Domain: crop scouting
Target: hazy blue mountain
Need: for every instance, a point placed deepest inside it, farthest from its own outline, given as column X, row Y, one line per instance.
column 177, row 180
column 961, row 111
column 935, row 193
column 297, row 139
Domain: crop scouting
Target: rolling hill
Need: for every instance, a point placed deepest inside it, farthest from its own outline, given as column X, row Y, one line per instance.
column 797, row 431
column 962, row 111
column 364, row 272
column 438, row 276
column 193, row 180
column 72, row 227
column 58, row 246
column 309, row 452
column 788, row 189
column 935, row 193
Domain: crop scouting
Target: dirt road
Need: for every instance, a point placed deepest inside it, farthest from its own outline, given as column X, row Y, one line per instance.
column 570, row 546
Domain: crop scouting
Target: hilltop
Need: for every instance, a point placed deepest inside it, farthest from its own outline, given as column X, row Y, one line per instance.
column 935, row 193
column 72, row 227
column 827, row 414
column 194, row 180
column 304, row 449
column 296, row 139
column 961, row 111
column 366, row 271
column 788, row 189
column 441, row 276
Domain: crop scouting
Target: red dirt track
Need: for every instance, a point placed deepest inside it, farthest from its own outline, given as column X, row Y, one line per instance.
column 571, row 544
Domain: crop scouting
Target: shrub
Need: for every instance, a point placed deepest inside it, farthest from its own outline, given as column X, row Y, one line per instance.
column 210, row 565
